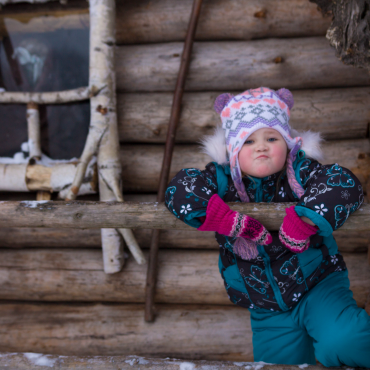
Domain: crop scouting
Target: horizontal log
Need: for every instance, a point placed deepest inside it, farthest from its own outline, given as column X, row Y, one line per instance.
column 78, row 275
column 348, row 241
column 336, row 113
column 297, row 63
column 57, row 97
column 164, row 20
column 135, row 215
column 187, row 331
column 141, row 163
column 24, row 361
column 51, row 177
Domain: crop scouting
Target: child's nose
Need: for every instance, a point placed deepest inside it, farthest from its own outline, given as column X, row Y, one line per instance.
column 261, row 146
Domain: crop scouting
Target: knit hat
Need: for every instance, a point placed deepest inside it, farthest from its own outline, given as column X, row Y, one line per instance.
column 243, row 114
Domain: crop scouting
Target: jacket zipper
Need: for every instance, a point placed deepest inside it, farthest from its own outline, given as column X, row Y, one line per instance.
column 271, row 279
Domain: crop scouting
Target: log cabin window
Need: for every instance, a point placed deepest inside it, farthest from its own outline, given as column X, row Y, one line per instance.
column 44, row 52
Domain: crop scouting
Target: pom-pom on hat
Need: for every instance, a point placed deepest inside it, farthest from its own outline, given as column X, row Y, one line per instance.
column 243, row 114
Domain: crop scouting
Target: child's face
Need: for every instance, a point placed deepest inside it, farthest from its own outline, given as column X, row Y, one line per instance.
column 263, row 153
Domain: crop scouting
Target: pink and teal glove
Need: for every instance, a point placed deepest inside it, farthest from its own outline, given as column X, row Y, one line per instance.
column 222, row 219
column 294, row 233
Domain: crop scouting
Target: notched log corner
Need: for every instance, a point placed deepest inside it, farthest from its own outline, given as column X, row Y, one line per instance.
column 349, row 32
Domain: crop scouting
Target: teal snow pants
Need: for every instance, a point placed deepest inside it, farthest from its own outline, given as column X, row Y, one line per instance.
column 327, row 323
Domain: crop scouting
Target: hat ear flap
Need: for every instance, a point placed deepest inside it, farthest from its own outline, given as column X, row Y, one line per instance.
column 286, row 96
column 221, row 101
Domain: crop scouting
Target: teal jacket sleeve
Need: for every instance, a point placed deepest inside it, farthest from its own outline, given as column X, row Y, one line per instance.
column 332, row 194
column 188, row 193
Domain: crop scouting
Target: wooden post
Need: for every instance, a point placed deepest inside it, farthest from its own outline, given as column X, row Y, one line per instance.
column 167, row 158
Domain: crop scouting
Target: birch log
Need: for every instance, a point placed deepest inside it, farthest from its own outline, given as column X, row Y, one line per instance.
column 91, row 215
column 82, row 329
column 25, row 361
column 141, row 163
column 348, row 241
column 184, row 277
column 34, row 133
column 57, row 178
column 165, row 20
column 103, row 114
column 236, row 65
column 57, row 97
column 336, row 113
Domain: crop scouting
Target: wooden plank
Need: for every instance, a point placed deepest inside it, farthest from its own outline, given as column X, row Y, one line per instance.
column 336, row 113
column 134, row 215
column 193, row 332
column 236, row 65
column 78, row 275
column 165, row 20
column 141, row 163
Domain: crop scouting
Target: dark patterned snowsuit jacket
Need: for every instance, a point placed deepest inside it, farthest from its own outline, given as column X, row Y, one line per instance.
column 278, row 278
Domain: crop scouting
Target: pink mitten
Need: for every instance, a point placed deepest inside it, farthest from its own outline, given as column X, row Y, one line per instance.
column 294, row 233
column 222, row 219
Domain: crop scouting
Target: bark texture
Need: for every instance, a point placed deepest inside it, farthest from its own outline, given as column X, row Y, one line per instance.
column 349, row 32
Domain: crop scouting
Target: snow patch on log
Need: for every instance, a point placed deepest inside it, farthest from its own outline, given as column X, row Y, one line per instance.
column 187, row 366
column 33, row 203
column 252, row 365
column 39, row 359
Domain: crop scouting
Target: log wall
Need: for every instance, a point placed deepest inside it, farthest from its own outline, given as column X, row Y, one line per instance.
column 77, row 275
column 54, row 295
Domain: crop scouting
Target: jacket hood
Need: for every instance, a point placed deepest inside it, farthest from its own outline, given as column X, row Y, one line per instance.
column 215, row 145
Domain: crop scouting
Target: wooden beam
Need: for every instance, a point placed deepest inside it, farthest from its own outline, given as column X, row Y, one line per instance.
column 165, row 20
column 78, row 275
column 92, row 215
column 304, row 63
column 185, row 331
column 143, row 117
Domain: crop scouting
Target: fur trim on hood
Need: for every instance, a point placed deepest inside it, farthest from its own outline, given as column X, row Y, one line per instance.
column 215, row 145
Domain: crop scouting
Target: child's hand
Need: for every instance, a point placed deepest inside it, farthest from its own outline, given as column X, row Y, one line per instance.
column 294, row 233
column 222, row 219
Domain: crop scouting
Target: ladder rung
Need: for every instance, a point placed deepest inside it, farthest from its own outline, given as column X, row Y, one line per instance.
column 52, row 97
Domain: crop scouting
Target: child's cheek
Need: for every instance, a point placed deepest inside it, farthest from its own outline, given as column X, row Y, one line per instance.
column 279, row 153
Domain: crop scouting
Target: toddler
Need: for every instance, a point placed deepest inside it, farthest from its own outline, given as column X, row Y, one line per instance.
column 294, row 282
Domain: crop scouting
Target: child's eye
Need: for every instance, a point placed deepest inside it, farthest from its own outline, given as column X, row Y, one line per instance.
column 248, row 141
column 272, row 138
